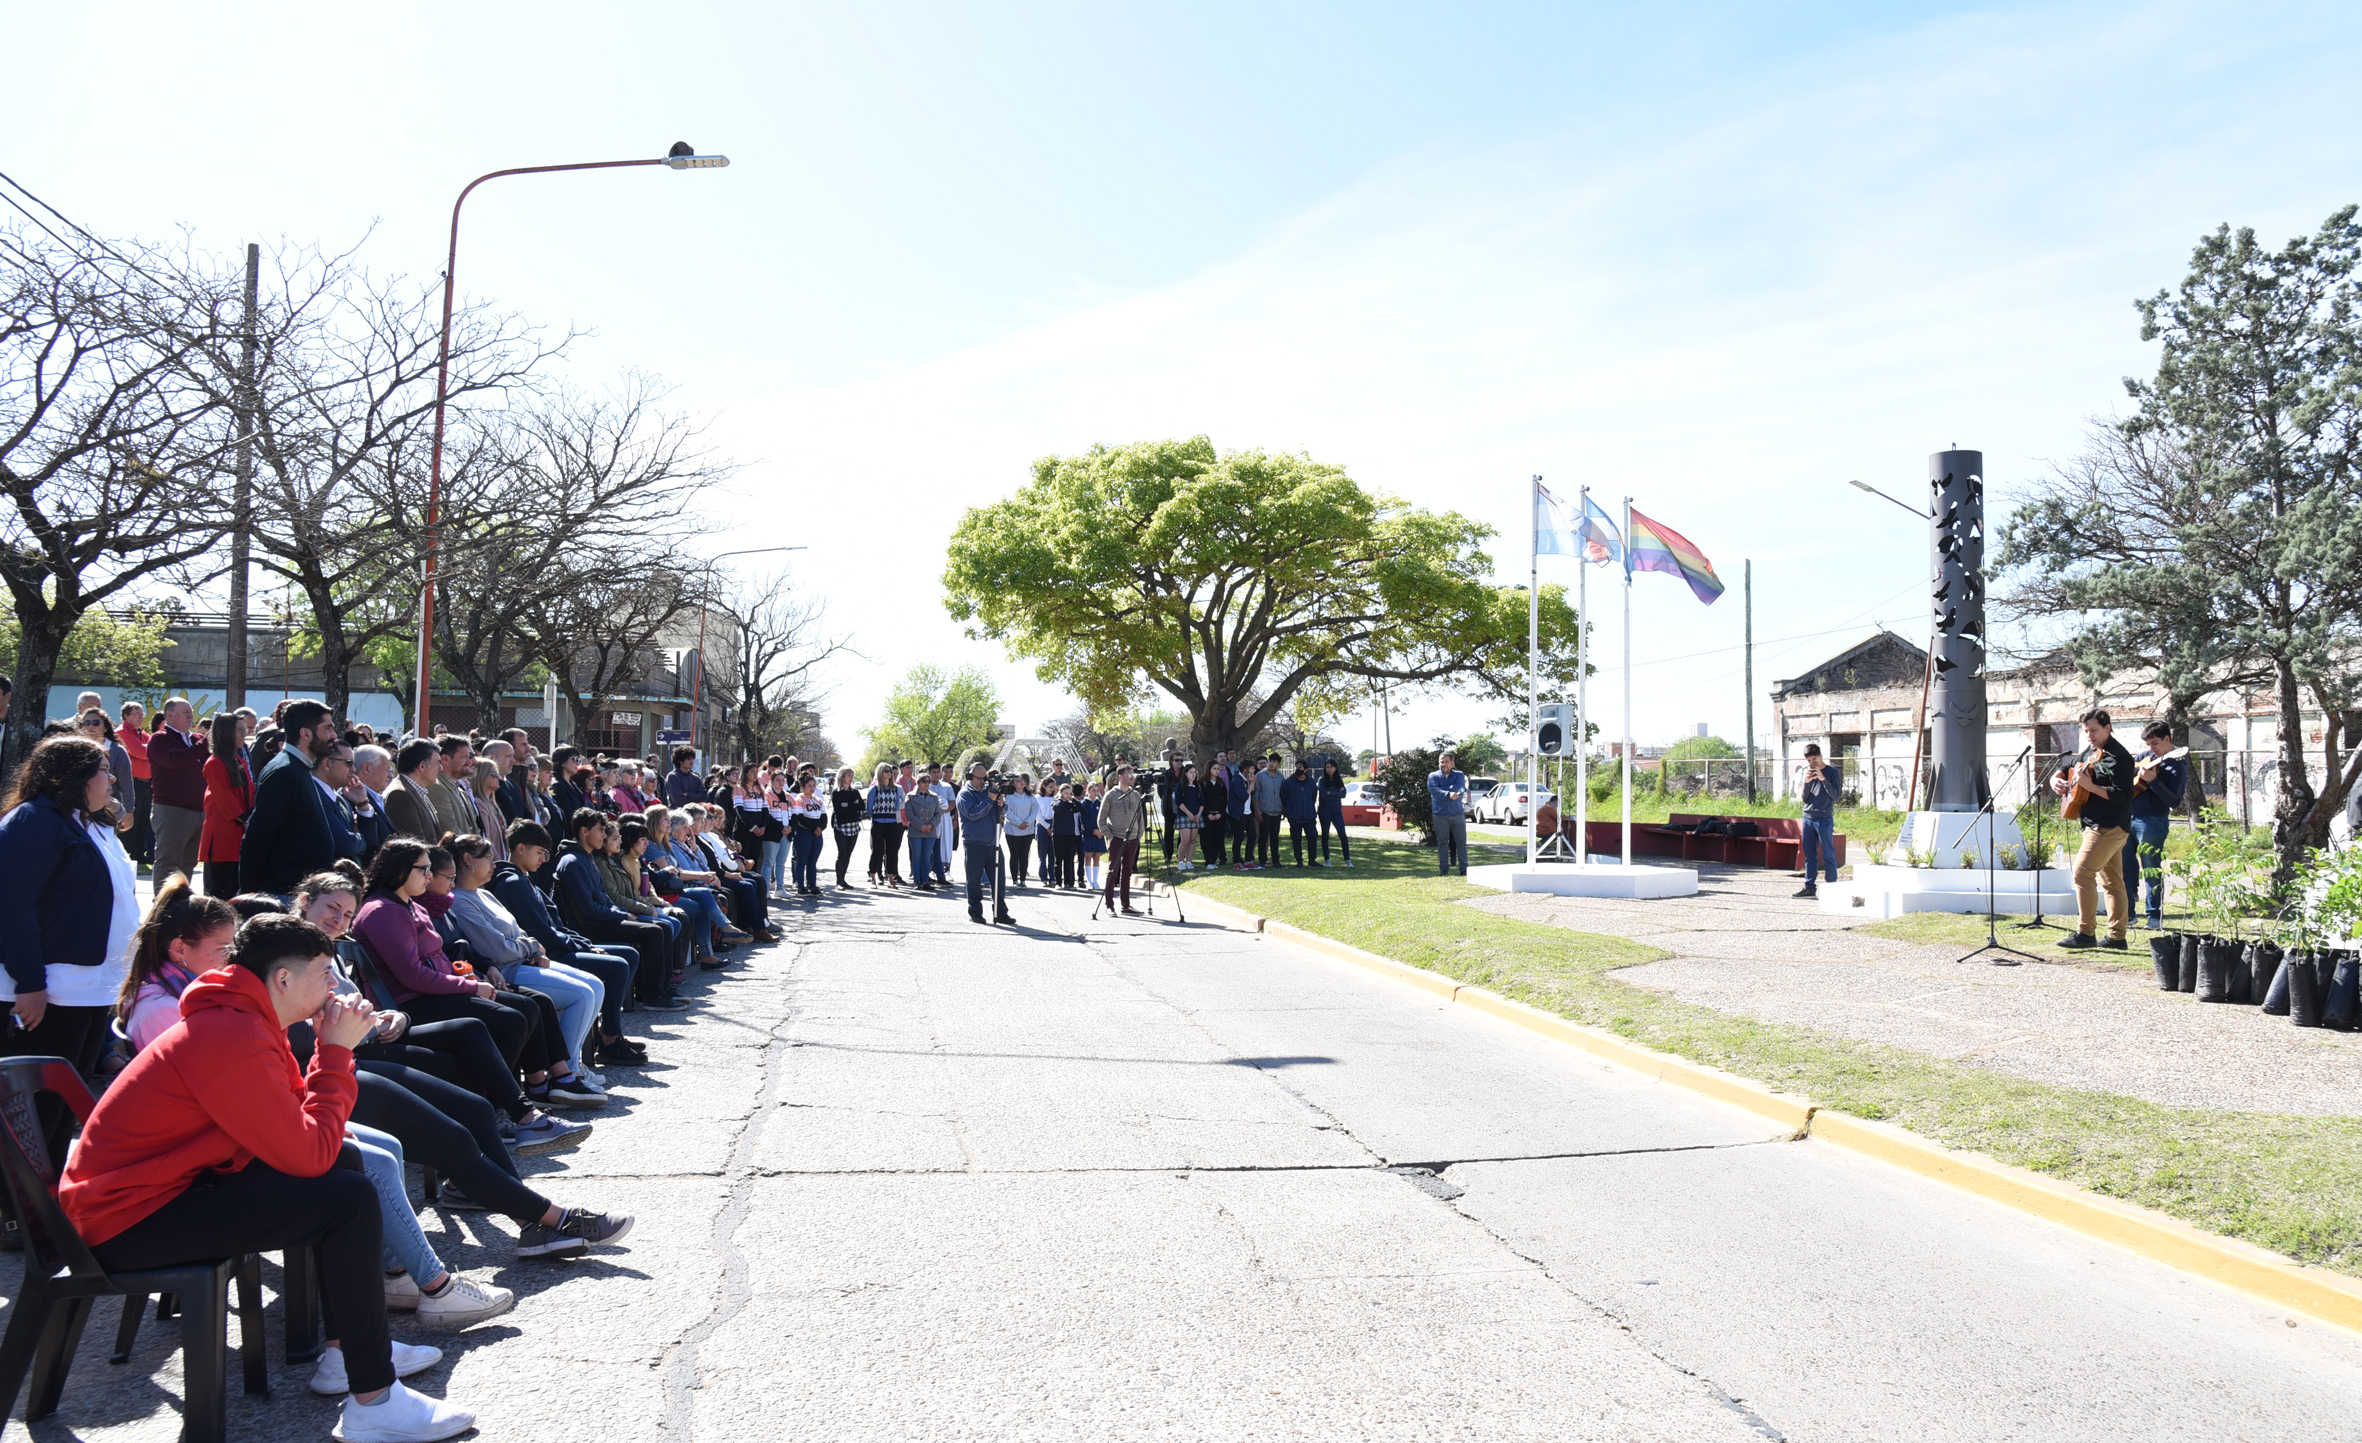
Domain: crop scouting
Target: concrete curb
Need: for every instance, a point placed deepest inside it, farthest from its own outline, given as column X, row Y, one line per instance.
column 2316, row 1293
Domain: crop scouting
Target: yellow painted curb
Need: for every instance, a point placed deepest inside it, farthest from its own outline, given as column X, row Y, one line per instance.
column 1418, row 977
column 2316, row 1293
column 1785, row 1108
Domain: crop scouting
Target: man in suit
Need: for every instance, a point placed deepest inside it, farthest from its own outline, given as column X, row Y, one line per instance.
column 410, row 805
column 455, row 804
column 292, row 833
column 373, row 772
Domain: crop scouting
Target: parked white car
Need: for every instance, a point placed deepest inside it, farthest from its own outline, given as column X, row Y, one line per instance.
column 1506, row 804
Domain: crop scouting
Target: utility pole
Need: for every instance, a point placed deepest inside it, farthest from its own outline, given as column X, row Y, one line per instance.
column 1747, row 591
column 242, row 508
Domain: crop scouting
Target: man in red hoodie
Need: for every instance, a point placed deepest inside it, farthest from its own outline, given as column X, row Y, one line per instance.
column 212, row 1142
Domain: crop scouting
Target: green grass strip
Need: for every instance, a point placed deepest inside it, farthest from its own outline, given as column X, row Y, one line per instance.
column 2291, row 1184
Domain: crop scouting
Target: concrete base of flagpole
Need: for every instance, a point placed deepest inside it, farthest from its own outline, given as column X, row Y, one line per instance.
column 1587, row 879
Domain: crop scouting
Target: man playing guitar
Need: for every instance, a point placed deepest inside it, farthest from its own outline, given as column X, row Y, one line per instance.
column 2159, row 780
column 2098, row 792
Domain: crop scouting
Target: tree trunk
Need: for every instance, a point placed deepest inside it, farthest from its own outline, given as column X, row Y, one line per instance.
column 41, row 640
column 2295, row 829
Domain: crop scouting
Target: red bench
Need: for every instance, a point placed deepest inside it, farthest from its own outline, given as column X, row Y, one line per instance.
column 1779, row 843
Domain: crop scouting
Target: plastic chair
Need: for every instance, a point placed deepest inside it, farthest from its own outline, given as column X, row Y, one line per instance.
column 62, row 1279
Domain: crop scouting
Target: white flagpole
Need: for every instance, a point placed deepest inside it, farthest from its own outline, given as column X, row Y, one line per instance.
column 1533, row 661
column 1582, row 689
column 1627, row 681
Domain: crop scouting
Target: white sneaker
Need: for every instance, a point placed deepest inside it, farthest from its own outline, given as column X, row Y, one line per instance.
column 401, row 1416
column 328, row 1379
column 401, row 1292
column 464, row 1304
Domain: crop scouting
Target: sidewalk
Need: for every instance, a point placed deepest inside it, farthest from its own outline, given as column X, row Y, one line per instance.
column 1744, row 945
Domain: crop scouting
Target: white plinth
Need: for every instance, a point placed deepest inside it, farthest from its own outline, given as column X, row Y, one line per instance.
column 1567, row 879
column 1877, row 893
column 1945, row 834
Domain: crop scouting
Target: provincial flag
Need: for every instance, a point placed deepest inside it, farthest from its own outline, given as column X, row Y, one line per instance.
column 1598, row 535
column 1550, row 533
column 1658, row 547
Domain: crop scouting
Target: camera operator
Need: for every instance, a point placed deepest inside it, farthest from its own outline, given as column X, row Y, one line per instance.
column 980, row 809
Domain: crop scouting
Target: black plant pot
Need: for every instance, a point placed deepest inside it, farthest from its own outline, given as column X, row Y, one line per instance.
column 2239, row 981
column 2304, row 994
column 2165, row 955
column 2218, row 957
column 2189, row 978
column 2342, row 1008
column 2263, row 970
column 2283, row 983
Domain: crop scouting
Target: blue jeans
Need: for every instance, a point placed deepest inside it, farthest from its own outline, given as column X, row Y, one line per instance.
column 804, row 868
column 979, row 864
column 1820, row 848
column 405, row 1246
column 922, row 856
column 577, row 994
column 775, row 865
column 2147, row 850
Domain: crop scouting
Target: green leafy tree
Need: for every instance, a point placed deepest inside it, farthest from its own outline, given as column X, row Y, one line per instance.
column 1690, row 749
column 1479, row 753
column 1232, row 583
column 2242, row 531
column 934, row 715
column 1402, row 782
column 106, row 650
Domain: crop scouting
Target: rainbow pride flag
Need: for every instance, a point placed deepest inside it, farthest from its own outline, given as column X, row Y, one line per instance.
column 1654, row 546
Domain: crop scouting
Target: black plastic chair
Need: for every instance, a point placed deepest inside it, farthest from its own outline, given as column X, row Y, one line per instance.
column 62, row 1279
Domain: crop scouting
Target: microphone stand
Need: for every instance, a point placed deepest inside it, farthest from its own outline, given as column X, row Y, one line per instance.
column 1992, row 937
column 2040, row 861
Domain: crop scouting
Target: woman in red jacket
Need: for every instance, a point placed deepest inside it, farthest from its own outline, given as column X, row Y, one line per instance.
column 229, row 800
column 213, row 1143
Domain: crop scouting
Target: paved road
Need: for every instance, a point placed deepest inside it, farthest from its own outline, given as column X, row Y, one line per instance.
column 909, row 1178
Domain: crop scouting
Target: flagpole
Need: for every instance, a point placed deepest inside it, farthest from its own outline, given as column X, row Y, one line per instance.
column 1533, row 656
column 1627, row 681
column 1582, row 688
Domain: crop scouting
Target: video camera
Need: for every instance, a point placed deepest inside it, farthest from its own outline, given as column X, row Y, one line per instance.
column 1003, row 786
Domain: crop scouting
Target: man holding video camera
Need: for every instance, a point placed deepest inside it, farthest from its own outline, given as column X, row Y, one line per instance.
column 980, row 809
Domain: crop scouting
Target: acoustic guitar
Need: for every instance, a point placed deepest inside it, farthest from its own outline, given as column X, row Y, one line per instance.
column 2144, row 770
column 2078, row 790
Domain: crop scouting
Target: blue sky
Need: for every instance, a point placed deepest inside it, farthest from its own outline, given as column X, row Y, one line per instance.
column 1723, row 259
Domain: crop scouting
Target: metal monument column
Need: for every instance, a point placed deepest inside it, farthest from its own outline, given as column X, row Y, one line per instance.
column 1956, row 702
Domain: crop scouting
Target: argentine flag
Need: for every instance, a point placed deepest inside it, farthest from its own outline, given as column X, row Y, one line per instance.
column 1551, row 537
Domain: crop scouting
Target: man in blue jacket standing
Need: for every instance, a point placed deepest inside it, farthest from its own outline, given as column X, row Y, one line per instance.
column 1447, row 804
column 1818, row 796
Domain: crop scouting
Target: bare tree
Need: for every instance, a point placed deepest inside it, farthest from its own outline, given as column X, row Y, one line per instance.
column 567, row 476
column 781, row 646
column 345, row 399
column 110, row 436
column 600, row 630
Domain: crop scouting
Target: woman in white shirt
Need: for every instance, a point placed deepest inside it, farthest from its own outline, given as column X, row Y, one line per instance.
column 1019, row 822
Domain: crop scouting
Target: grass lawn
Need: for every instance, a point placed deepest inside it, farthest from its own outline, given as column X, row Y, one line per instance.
column 2291, row 1184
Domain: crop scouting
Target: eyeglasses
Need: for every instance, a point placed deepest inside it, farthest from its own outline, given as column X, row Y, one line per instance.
column 423, row 867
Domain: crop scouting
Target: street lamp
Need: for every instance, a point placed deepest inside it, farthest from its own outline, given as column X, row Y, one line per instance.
column 697, row 703
column 682, row 156
column 1881, row 495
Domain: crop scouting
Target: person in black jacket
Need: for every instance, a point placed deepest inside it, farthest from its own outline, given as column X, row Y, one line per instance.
column 68, row 908
column 292, row 833
column 2151, row 819
column 613, row 963
column 2106, row 782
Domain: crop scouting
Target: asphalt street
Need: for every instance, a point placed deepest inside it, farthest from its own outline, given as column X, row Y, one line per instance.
column 905, row 1177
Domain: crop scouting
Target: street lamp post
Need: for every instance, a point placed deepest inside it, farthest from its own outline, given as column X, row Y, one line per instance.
column 682, row 156
column 697, row 703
